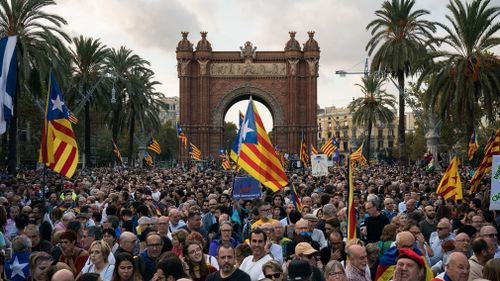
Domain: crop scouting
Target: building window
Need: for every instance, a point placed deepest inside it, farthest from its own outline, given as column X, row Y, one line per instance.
column 391, row 133
column 380, row 133
column 345, row 124
column 391, row 144
column 337, row 135
column 329, row 134
column 345, row 134
column 380, row 144
column 346, row 146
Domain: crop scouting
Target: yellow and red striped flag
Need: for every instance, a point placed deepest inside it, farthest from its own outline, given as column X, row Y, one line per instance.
column 491, row 148
column 451, row 185
column 59, row 150
column 226, row 164
column 358, row 156
column 328, row 148
column 154, row 145
column 253, row 151
column 314, row 151
column 194, row 151
column 473, row 145
column 303, row 155
column 72, row 118
column 117, row 153
column 180, row 134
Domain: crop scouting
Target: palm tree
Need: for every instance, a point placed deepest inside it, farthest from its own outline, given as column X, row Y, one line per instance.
column 121, row 63
column 401, row 36
column 40, row 47
column 375, row 106
column 463, row 79
column 143, row 105
column 88, row 57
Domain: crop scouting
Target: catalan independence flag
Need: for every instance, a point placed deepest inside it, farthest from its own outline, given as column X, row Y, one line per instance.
column 491, row 148
column 8, row 80
column 226, row 163
column 329, row 147
column 314, row 151
column 473, row 145
column 72, row 118
column 59, row 150
column 303, row 154
column 180, row 134
column 252, row 150
column 351, row 209
column 148, row 158
column 194, row 151
column 295, row 198
column 154, row 145
column 117, row 153
column 358, row 156
column 387, row 265
column 450, row 185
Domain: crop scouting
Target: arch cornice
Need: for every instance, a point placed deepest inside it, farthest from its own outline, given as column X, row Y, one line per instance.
column 244, row 90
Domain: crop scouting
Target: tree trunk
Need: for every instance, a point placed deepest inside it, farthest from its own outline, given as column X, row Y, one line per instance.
column 131, row 139
column 12, row 154
column 401, row 125
column 87, row 134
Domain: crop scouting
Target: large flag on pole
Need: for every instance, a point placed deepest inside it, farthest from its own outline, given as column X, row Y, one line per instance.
column 8, row 80
column 491, row 148
column 252, row 150
column 473, row 145
column 59, row 150
column 154, row 145
column 117, row 153
column 450, row 185
column 303, row 155
column 329, row 147
column 358, row 156
column 314, row 151
column 194, row 151
column 295, row 198
column 180, row 134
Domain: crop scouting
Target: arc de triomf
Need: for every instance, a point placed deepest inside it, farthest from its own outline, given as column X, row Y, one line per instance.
column 212, row 81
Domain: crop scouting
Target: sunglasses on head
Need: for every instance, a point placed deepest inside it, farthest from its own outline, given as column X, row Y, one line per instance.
column 275, row 275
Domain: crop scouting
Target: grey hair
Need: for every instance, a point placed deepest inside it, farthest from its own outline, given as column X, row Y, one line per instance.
column 95, row 232
column 21, row 243
column 329, row 210
column 332, row 265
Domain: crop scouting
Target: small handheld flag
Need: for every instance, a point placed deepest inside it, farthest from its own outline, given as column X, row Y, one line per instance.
column 194, row 151
column 450, row 185
column 148, row 159
column 304, row 157
column 314, row 151
column 180, row 134
column 117, row 153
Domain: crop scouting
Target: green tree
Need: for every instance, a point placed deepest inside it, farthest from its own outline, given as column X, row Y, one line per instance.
column 375, row 106
column 401, row 35
column 40, row 47
column 230, row 131
column 88, row 58
column 463, row 80
column 121, row 63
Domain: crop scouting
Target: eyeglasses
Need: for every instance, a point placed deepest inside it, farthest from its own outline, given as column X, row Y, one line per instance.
column 440, row 228
column 192, row 252
column 336, row 274
column 274, row 275
column 154, row 245
column 490, row 235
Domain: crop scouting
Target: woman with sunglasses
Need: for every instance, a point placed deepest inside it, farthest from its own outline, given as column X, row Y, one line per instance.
column 272, row 270
column 334, row 271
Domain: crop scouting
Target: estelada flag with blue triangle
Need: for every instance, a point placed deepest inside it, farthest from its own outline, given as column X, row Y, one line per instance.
column 59, row 150
column 17, row 269
column 253, row 151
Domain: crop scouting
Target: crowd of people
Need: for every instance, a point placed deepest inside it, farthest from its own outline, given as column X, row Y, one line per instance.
column 172, row 224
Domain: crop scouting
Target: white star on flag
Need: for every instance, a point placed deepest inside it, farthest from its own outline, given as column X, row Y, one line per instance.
column 245, row 130
column 17, row 268
column 57, row 103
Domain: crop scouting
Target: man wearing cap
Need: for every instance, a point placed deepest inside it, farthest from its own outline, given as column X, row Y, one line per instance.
column 305, row 252
column 409, row 266
column 317, row 235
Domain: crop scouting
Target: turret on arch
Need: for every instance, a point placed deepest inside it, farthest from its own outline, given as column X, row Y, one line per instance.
column 212, row 81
